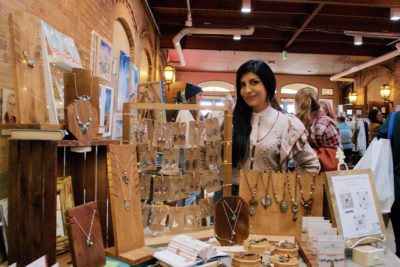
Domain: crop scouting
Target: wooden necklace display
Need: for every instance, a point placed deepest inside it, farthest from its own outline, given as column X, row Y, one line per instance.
column 307, row 203
column 283, row 206
column 234, row 213
column 125, row 180
column 82, row 116
column 253, row 201
column 85, row 235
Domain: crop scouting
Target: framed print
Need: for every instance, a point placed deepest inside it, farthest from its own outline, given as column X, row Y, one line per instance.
column 104, row 59
column 8, row 106
column 65, row 201
column 117, row 126
column 123, row 80
column 327, row 91
column 134, row 83
column 106, row 101
column 152, row 92
column 356, row 209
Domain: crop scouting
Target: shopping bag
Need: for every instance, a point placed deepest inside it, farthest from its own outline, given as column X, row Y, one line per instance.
column 378, row 158
column 327, row 159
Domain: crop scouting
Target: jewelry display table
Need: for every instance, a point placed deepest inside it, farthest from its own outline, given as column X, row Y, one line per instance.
column 34, row 168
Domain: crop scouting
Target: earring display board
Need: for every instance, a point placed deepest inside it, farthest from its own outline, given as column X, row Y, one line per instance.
column 85, row 235
column 355, row 206
column 29, row 84
column 231, row 221
column 270, row 196
column 125, row 205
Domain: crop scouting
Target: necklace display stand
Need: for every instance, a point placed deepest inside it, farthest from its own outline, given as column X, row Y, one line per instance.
column 82, row 114
column 126, row 209
column 308, row 201
column 85, row 235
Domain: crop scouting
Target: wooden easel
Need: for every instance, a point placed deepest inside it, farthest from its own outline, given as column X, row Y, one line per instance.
column 127, row 223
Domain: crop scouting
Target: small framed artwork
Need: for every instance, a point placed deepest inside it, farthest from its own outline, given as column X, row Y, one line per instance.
column 356, row 209
column 104, row 59
column 326, row 91
column 123, row 80
column 117, row 126
column 8, row 106
column 65, row 201
column 106, row 101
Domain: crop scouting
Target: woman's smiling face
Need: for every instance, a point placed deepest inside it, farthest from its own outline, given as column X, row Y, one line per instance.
column 253, row 91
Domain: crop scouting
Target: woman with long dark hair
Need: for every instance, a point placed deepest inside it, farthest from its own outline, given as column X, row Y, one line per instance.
column 265, row 138
column 376, row 121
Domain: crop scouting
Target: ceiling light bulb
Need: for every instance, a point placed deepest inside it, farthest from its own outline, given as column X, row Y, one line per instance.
column 246, row 6
column 237, row 37
column 395, row 13
column 358, row 40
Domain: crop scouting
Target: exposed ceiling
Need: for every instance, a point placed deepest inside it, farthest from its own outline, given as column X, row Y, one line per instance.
column 305, row 29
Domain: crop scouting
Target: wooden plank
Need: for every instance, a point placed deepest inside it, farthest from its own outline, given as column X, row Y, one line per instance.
column 4, row 185
column 308, row 255
column 271, row 220
column 159, row 106
column 227, row 190
column 95, row 142
column 163, row 239
column 29, row 83
column 132, row 257
column 127, row 222
column 41, row 126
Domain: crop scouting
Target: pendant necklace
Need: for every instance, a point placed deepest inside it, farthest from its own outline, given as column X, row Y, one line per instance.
column 88, row 241
column 84, row 126
column 307, row 203
column 232, row 228
column 120, row 167
column 235, row 214
column 125, row 181
column 253, row 201
column 294, row 206
column 283, row 206
column 266, row 201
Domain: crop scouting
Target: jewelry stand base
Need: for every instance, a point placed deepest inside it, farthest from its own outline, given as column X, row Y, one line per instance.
column 132, row 257
column 308, row 254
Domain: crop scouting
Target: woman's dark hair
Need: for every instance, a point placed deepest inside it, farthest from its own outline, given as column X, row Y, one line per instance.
column 372, row 115
column 242, row 112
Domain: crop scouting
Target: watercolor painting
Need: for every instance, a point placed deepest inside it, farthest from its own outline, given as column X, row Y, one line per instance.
column 123, row 80
column 104, row 60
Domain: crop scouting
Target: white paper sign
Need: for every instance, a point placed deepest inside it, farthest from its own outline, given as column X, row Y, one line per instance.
column 356, row 205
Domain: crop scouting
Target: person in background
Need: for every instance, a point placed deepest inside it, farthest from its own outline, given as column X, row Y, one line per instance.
column 265, row 139
column 322, row 130
column 346, row 138
column 376, row 120
column 327, row 109
column 395, row 143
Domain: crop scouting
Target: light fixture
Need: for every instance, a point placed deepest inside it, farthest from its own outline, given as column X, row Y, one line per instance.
column 353, row 95
column 395, row 13
column 358, row 40
column 246, row 6
column 385, row 91
column 237, row 37
column 169, row 74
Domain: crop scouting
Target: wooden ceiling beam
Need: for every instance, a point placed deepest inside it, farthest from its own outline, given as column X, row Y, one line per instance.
column 304, row 25
column 376, row 3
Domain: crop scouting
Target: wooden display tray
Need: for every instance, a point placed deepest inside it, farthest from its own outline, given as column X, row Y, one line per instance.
column 271, row 221
column 132, row 257
column 308, row 254
column 163, row 239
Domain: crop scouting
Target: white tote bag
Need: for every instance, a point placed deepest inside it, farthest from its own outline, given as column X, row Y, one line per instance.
column 378, row 158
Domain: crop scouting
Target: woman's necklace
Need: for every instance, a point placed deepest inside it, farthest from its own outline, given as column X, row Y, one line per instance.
column 253, row 201
column 294, row 206
column 232, row 228
column 283, row 206
column 266, row 201
column 89, row 241
column 125, row 181
column 234, row 212
column 307, row 203
column 253, row 150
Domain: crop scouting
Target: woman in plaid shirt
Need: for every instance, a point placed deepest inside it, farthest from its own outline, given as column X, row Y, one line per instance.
column 322, row 130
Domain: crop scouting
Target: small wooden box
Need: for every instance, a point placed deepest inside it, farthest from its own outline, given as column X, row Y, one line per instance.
column 368, row 255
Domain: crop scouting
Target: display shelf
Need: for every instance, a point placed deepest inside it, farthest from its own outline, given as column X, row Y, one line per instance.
column 34, row 167
column 40, row 126
column 61, row 63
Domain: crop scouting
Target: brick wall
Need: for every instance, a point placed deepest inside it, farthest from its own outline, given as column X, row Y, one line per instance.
column 77, row 18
